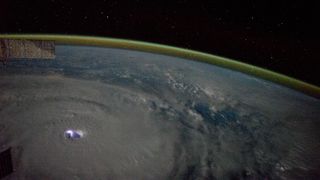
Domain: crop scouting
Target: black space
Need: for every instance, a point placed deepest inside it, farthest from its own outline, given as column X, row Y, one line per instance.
column 279, row 35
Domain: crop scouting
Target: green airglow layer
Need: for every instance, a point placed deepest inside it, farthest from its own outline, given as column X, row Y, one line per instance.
column 174, row 51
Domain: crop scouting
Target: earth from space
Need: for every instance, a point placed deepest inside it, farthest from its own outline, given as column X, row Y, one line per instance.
column 111, row 113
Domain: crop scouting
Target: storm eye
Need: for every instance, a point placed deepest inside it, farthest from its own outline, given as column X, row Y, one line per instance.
column 73, row 134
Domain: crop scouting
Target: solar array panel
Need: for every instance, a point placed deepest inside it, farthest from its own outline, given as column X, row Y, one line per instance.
column 26, row 49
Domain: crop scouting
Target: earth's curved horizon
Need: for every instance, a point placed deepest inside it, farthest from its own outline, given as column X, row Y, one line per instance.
column 266, row 74
column 146, row 115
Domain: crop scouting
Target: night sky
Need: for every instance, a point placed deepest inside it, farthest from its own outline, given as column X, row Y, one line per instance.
column 280, row 36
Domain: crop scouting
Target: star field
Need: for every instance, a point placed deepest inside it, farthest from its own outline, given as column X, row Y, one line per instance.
column 276, row 35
